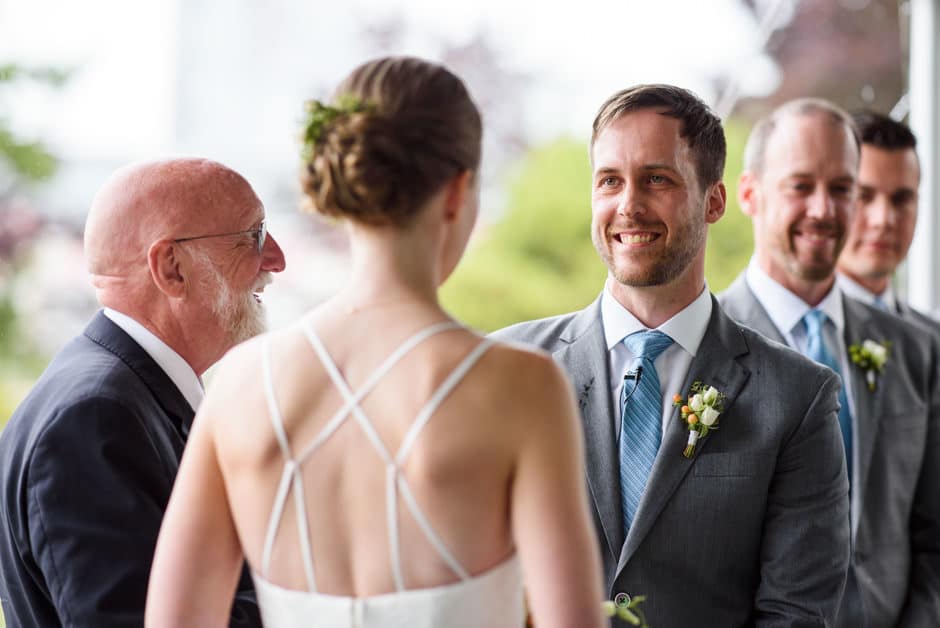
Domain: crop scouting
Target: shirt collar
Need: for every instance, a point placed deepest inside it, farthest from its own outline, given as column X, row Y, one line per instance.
column 859, row 292
column 176, row 368
column 786, row 310
column 686, row 328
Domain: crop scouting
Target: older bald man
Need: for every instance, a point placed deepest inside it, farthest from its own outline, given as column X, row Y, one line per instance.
column 179, row 254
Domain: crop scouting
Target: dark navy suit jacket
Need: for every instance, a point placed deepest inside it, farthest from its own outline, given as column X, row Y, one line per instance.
column 87, row 463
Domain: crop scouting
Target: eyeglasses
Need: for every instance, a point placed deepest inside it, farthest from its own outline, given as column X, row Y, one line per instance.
column 259, row 234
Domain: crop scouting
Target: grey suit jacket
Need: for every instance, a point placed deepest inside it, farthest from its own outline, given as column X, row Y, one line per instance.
column 905, row 311
column 895, row 498
column 753, row 530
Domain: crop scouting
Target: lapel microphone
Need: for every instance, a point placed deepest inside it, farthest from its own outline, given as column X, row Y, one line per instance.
column 635, row 376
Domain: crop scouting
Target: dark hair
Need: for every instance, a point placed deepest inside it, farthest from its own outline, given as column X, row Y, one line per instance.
column 756, row 148
column 881, row 131
column 378, row 166
column 700, row 126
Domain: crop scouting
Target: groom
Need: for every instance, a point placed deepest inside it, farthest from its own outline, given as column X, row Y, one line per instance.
column 752, row 529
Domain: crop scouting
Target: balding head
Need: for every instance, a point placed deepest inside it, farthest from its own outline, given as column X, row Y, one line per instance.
column 142, row 203
column 158, row 231
column 755, row 151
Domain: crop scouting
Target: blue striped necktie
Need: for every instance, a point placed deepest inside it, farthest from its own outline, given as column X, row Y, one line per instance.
column 815, row 321
column 641, row 406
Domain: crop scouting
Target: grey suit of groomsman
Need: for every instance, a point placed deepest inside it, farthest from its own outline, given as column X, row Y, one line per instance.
column 895, row 499
column 799, row 186
column 753, row 529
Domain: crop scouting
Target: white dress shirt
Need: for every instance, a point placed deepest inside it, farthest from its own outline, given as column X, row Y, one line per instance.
column 857, row 291
column 176, row 368
column 686, row 328
column 786, row 311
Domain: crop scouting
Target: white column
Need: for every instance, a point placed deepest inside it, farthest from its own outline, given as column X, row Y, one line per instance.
column 923, row 285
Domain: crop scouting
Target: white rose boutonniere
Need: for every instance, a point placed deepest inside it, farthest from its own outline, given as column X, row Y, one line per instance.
column 871, row 357
column 700, row 412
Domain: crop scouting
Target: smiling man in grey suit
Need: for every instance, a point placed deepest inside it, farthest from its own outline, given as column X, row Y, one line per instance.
column 799, row 190
column 882, row 229
column 752, row 528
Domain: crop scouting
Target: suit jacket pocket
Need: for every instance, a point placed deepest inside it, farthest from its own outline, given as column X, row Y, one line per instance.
column 726, row 464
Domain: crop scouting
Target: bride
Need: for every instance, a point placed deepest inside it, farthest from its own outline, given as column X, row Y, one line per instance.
column 376, row 463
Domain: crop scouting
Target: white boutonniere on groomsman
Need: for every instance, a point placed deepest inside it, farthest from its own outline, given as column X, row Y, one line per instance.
column 700, row 412
column 871, row 357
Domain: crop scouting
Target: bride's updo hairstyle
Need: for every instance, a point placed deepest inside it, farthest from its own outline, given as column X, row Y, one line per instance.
column 397, row 130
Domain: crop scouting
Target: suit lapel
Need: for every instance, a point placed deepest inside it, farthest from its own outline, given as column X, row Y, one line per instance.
column 106, row 333
column 715, row 365
column 867, row 404
column 584, row 355
column 740, row 304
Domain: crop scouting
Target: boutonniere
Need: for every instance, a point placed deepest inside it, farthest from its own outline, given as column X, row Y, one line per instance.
column 623, row 607
column 700, row 412
column 628, row 610
column 871, row 357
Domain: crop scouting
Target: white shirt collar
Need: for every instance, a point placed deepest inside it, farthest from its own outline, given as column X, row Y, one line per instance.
column 786, row 310
column 859, row 292
column 686, row 328
column 176, row 368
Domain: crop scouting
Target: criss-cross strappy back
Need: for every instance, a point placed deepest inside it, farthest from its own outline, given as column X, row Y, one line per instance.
column 490, row 599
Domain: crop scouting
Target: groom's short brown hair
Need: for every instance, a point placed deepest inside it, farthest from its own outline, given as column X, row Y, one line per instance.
column 700, row 126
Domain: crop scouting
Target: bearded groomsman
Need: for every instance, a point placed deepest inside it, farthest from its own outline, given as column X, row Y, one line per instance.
column 799, row 188
column 750, row 526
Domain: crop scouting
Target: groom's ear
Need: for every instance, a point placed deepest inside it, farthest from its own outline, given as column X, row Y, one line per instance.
column 456, row 194
column 715, row 202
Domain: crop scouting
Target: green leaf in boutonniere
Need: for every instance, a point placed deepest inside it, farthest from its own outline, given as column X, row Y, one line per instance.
column 871, row 357
column 628, row 611
column 699, row 412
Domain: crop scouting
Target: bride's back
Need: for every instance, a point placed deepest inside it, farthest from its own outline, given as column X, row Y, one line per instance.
column 333, row 511
column 458, row 469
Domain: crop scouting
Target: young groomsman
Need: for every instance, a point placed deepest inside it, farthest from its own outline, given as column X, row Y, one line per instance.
column 881, row 232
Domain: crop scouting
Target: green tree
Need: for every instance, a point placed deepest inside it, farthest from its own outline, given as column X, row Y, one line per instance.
column 538, row 260
column 23, row 162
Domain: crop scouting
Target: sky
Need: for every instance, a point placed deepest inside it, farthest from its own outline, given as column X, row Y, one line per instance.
column 123, row 99
column 226, row 79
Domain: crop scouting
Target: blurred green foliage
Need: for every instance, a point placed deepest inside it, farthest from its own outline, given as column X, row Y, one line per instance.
column 538, row 260
column 29, row 160
column 22, row 161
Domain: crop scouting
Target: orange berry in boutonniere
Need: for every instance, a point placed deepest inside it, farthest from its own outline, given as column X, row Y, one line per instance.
column 692, row 419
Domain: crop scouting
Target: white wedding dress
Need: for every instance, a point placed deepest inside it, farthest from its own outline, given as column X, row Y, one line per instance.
column 493, row 599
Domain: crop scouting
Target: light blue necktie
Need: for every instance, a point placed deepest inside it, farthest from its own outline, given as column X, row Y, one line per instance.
column 815, row 321
column 880, row 304
column 641, row 406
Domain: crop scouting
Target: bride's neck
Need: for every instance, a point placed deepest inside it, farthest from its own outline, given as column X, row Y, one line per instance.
column 391, row 267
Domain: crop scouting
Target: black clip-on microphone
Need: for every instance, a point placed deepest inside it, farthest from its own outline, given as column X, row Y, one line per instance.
column 635, row 376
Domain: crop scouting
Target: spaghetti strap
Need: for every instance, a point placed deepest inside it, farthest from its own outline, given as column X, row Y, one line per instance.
column 438, row 397
column 291, row 473
column 395, row 482
column 370, row 383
